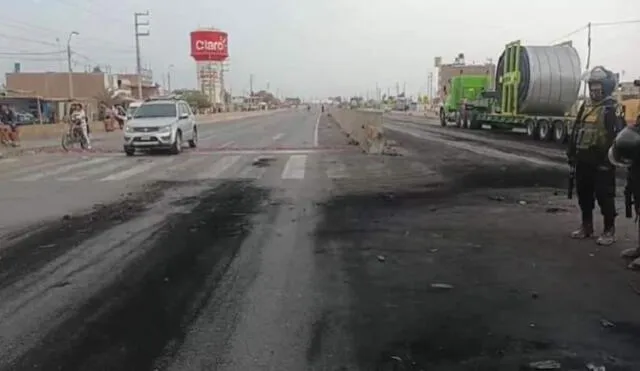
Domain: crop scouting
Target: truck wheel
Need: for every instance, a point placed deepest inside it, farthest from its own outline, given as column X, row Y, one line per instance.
column 559, row 131
column 545, row 130
column 475, row 124
column 532, row 130
column 443, row 118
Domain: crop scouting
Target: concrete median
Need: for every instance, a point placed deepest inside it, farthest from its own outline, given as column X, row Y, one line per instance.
column 364, row 128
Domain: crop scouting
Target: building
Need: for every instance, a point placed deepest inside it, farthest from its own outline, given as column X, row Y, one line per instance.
column 88, row 87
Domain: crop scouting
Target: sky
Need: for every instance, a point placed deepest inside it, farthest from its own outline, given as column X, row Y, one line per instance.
column 312, row 49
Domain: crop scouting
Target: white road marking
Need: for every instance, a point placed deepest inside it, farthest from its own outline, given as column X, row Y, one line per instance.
column 94, row 171
column 219, row 167
column 294, row 169
column 40, row 166
column 166, row 172
column 62, row 169
column 315, row 132
column 227, row 144
column 337, row 170
column 277, row 136
column 134, row 171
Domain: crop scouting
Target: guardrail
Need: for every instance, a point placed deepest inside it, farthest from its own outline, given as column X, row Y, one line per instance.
column 364, row 128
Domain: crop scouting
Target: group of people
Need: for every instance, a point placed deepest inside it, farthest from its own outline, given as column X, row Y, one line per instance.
column 9, row 133
column 601, row 141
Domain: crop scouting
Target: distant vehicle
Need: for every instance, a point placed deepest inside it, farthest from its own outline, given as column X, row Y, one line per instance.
column 161, row 123
column 25, row 118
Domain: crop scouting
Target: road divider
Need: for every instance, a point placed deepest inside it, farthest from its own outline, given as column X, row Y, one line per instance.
column 364, row 128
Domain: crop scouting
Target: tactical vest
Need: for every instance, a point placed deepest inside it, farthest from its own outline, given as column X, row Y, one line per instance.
column 593, row 135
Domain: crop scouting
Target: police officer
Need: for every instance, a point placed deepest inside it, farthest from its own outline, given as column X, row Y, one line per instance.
column 625, row 152
column 593, row 136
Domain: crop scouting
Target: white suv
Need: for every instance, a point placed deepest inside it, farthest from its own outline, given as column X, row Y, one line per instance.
column 161, row 123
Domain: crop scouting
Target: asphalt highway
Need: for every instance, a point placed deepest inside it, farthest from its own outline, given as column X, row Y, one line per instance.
column 276, row 245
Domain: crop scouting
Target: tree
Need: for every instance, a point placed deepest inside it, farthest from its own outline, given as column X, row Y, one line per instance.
column 194, row 98
column 97, row 69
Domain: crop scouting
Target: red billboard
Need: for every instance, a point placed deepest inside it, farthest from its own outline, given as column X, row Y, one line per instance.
column 209, row 45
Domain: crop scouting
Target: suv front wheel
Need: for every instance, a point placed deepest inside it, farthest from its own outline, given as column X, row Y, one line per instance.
column 176, row 148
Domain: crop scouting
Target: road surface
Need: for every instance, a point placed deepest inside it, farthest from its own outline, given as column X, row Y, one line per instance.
column 276, row 245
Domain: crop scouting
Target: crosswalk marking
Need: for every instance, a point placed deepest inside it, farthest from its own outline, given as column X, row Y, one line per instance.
column 294, row 169
column 94, row 171
column 167, row 171
column 228, row 166
column 62, row 169
column 219, row 167
column 134, row 171
column 38, row 167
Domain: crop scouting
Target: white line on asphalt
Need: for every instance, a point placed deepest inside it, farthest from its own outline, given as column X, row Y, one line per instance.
column 40, row 166
column 294, row 169
column 219, row 167
column 134, row 170
column 94, row 171
column 62, row 169
column 277, row 136
column 227, row 144
column 315, row 132
column 264, row 152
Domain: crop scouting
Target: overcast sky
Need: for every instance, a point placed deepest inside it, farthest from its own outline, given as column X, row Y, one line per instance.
column 312, row 48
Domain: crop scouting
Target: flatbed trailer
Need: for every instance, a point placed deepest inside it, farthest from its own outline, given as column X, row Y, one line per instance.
column 500, row 110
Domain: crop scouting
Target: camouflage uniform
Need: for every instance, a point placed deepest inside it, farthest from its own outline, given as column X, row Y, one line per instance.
column 595, row 175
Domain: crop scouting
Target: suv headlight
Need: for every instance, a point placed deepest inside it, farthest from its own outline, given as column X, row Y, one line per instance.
column 128, row 129
column 165, row 129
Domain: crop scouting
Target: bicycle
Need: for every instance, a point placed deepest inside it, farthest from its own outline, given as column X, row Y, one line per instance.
column 73, row 136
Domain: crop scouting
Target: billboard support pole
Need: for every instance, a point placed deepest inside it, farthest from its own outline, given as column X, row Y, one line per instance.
column 137, row 23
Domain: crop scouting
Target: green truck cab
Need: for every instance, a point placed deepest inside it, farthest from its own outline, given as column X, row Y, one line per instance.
column 464, row 88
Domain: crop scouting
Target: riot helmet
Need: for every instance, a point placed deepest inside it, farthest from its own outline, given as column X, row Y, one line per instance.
column 626, row 147
column 601, row 83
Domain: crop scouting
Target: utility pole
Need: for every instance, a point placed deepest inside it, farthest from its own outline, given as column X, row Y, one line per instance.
column 251, row 85
column 137, row 23
column 430, row 88
column 169, row 78
column 69, row 63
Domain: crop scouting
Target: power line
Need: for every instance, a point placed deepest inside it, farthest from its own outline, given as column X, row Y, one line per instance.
column 32, row 53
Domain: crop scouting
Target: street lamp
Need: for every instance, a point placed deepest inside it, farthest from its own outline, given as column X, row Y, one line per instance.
column 69, row 62
column 169, row 77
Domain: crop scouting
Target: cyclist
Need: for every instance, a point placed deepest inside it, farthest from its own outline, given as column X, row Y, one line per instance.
column 78, row 116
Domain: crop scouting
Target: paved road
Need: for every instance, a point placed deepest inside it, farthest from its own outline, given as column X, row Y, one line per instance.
column 273, row 247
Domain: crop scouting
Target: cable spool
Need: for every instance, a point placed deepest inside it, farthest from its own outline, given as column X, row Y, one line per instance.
column 549, row 79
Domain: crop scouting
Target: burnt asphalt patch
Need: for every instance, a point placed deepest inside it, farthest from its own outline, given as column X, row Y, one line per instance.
column 445, row 289
column 30, row 248
column 131, row 323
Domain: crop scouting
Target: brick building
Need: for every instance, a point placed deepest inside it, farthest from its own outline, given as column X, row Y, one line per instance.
column 87, row 86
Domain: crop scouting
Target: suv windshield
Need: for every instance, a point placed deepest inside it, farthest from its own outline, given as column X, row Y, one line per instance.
column 155, row 110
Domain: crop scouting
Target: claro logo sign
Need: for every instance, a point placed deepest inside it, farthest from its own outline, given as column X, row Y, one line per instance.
column 212, row 46
column 207, row 45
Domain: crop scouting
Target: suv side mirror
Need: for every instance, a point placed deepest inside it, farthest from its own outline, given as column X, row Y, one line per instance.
column 183, row 116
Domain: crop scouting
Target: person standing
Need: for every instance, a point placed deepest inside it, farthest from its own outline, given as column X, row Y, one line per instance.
column 588, row 151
